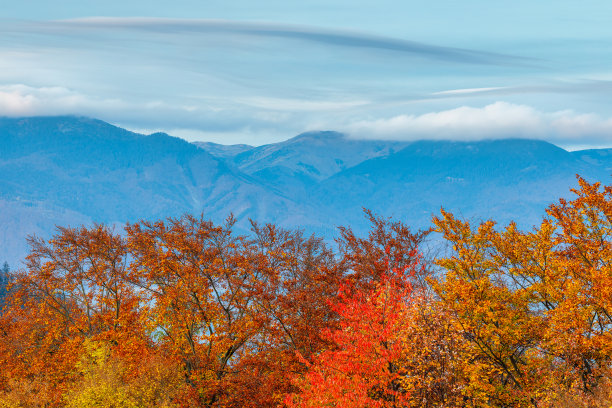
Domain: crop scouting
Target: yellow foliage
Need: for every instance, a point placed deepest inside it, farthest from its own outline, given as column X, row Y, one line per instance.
column 106, row 382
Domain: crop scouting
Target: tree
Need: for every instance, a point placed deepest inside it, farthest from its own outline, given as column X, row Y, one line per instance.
column 106, row 381
column 94, row 312
column 433, row 354
column 535, row 307
column 299, row 276
column 234, row 310
column 70, row 292
column 363, row 367
column 389, row 244
column 193, row 279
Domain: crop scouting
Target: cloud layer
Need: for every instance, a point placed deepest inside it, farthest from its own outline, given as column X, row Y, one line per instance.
column 257, row 83
column 22, row 100
column 494, row 121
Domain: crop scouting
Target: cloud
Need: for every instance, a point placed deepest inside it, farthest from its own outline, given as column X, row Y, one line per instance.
column 467, row 91
column 270, row 81
column 494, row 121
column 192, row 122
column 267, row 119
column 337, row 38
column 22, row 100
column 591, row 86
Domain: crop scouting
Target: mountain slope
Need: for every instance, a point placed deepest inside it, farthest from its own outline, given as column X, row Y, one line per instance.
column 223, row 151
column 597, row 157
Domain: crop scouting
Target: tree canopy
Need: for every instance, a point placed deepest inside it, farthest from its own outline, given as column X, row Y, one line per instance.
column 183, row 312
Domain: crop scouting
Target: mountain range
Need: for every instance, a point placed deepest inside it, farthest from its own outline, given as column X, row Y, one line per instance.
column 74, row 170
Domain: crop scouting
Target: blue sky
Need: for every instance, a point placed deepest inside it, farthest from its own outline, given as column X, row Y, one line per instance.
column 258, row 72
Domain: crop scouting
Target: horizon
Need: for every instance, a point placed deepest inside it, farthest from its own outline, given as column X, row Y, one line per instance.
column 231, row 73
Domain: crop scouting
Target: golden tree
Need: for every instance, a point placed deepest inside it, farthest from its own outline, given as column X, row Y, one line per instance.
column 534, row 306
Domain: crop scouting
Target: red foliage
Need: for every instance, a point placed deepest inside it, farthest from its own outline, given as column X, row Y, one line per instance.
column 362, row 368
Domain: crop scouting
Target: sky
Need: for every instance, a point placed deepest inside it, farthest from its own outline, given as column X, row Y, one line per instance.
column 238, row 71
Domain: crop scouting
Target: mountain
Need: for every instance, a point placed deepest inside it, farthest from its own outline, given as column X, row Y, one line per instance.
column 597, row 157
column 315, row 155
column 71, row 170
column 502, row 179
column 297, row 165
column 74, row 170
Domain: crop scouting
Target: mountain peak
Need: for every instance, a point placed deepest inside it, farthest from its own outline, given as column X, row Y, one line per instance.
column 57, row 128
column 318, row 135
column 223, row 151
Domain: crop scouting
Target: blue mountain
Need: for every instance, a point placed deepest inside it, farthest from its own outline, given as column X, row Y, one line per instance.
column 74, row 170
column 502, row 179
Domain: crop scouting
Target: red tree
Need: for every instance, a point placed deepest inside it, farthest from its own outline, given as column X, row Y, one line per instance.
column 363, row 369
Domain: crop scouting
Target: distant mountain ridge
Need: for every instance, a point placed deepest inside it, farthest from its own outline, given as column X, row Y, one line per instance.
column 223, row 151
column 72, row 170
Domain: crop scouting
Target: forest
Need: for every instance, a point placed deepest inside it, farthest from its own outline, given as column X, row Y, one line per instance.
column 183, row 312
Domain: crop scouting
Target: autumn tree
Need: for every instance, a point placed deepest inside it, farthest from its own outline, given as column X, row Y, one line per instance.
column 389, row 244
column 233, row 309
column 96, row 312
column 433, row 354
column 71, row 291
column 298, row 277
column 363, row 367
column 385, row 300
column 106, row 381
column 534, row 306
column 194, row 279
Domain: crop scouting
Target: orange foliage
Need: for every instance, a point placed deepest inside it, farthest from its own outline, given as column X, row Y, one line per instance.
column 71, row 291
column 227, row 312
column 233, row 310
column 535, row 307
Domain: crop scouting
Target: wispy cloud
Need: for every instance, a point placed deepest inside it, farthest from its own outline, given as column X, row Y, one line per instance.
column 591, row 86
column 467, row 91
column 337, row 38
column 299, row 105
column 493, row 121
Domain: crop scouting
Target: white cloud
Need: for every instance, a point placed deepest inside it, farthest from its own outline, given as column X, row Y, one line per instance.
column 23, row 100
column 273, row 119
column 495, row 121
column 189, row 121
